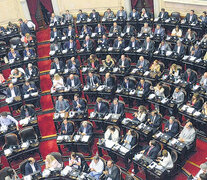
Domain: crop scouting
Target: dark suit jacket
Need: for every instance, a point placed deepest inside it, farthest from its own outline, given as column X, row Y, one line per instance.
column 118, row 29
column 133, row 141
column 77, row 65
column 102, row 30
column 88, row 31
column 10, row 55
column 96, row 80
column 31, row 112
column 81, row 17
column 131, row 85
column 54, row 66
column 66, row 30
column 194, row 18
column 34, row 72
column 121, row 46
column 120, row 108
column 137, row 45
column 182, row 50
column 131, row 30
column 151, row 46
column 81, row 102
column 96, row 64
column 198, row 53
column 109, row 82
column 90, row 44
column 16, row 90
column 174, row 129
column 146, row 88
column 30, row 51
column 104, row 43
column 88, row 129
column 97, row 16
column 136, row 15
column 198, row 105
column 53, row 46
column 157, row 121
column 65, row 105
column 76, row 81
column 28, row 168
column 103, row 108
column 148, row 15
column 115, row 173
column 24, row 28
column 67, row 45
column 145, row 65
column 52, row 34
column 193, row 37
column 153, row 153
column 70, row 128
column 165, row 16
column 126, row 63
column 161, row 32
column 203, row 21
column 25, row 88
column 192, row 79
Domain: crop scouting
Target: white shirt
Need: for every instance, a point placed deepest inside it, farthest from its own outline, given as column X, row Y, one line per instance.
column 147, row 46
column 33, row 167
column 167, row 161
column 115, row 135
column 127, row 30
column 58, row 66
column 99, row 167
column 72, row 83
column 13, row 93
column 30, row 24
column 122, row 63
column 178, row 49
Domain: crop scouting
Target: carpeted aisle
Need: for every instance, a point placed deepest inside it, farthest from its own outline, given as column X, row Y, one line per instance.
column 45, row 82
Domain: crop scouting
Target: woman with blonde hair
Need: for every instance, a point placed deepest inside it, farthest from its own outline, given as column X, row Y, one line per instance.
column 204, row 109
column 108, row 62
column 174, row 70
column 57, row 82
column 141, row 114
column 51, row 162
column 27, row 38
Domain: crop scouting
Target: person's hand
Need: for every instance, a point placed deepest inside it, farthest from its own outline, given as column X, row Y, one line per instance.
column 78, row 105
column 166, row 129
column 84, row 45
column 17, row 128
column 92, row 169
column 181, row 139
column 106, row 172
column 64, row 131
column 83, row 134
column 97, row 84
column 142, row 152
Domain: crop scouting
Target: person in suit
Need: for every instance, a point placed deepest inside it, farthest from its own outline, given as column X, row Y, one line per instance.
column 67, row 128
column 191, row 17
column 115, row 29
column 54, row 19
column 129, row 30
column 29, row 87
column 87, row 43
column 128, row 84
column 178, row 96
column 203, row 81
column 94, row 15
column 190, row 35
column 57, row 65
column 92, row 80
column 112, row 172
column 146, row 29
column 119, row 43
column 129, row 139
column 195, row 102
column 62, row 105
column 171, row 127
column 163, row 47
column 93, row 62
column 109, row 14
column 86, row 30
column 24, row 29
column 117, row 107
column 85, row 129
column 179, row 49
column 154, row 120
column 67, row 17
column 78, row 104
column 148, row 45
column 99, row 29
column 124, row 63
column 27, row 112
column 187, row 135
column 144, row 14
column 13, row 54
column 142, row 64
column 103, row 42
column 144, row 87
column 69, row 32
column 109, row 81
column 32, row 167
column 163, row 14
column 81, row 16
column 73, row 81
column 133, row 43
column 203, row 18
column 159, row 31
column 55, row 33
column 74, row 64
column 195, row 51
column 12, row 91
column 70, row 45
column 190, row 76
column 100, row 106
column 121, row 14
column 134, row 15
column 152, row 150
column 28, row 52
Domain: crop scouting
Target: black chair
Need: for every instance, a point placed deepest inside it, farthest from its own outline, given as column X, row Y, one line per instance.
column 15, row 41
column 84, row 165
column 3, row 173
column 22, row 166
column 28, row 134
column 11, row 140
column 172, row 172
column 175, row 16
column 58, row 157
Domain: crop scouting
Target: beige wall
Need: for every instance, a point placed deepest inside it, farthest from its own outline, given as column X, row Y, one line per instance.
column 88, row 5
column 10, row 10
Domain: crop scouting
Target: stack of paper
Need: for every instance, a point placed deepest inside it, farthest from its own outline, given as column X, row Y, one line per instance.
column 146, row 73
column 109, row 144
column 124, row 150
column 190, row 110
column 151, row 96
column 85, row 138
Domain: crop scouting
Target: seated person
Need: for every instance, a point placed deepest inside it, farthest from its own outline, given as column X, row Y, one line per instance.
column 32, row 167
column 29, row 87
column 195, row 102
column 92, row 80
column 144, row 14
column 115, row 29
column 12, row 91
column 28, row 52
column 166, row 160
column 61, row 105
column 129, row 139
column 93, row 62
column 179, row 49
column 86, row 30
column 154, row 120
column 121, row 14
column 204, row 109
column 81, row 16
column 159, row 90
column 191, row 17
column 175, row 71
column 26, row 39
column 116, row 107
column 176, row 32
column 159, row 31
column 13, row 55
column 11, row 175
column 55, row 34
column 96, row 167
column 204, row 39
column 112, row 172
column 148, row 45
column 163, row 14
column 171, row 127
column 128, row 84
column 129, row 30
column 54, row 18
column 112, row 134
column 109, row 14
column 57, row 83
column 108, row 62
column 203, row 81
column 87, row 43
column 144, row 87
column 155, row 68
column 133, row 43
column 70, row 45
column 103, row 42
column 134, row 14
column 52, row 163
column 178, row 96
column 94, row 15
column 73, row 81
column 201, row 175
column 7, row 120
column 142, row 64
column 119, row 43
column 124, row 63
column 141, row 114
column 109, row 81
column 203, row 18
column 85, row 129
column 57, row 65
column 190, row 36
column 163, row 47
column 99, row 29
column 69, row 32
column 190, row 76
column 27, row 112
column 187, row 135
column 67, row 17
column 100, row 107
column 74, row 64
column 146, row 29
column 17, row 73
column 195, row 51
column 55, row 47
column 74, row 161
column 78, row 104
column 67, row 127
column 2, row 80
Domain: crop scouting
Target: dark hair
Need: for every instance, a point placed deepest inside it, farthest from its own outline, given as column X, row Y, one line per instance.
column 76, row 95
column 73, row 154
column 4, row 114
column 203, row 176
column 162, row 9
column 10, row 172
column 153, row 142
column 112, row 129
column 192, row 10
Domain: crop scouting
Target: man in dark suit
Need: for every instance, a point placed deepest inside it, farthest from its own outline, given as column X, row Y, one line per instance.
column 112, row 172
column 143, row 86
column 85, row 129
column 67, row 128
column 55, row 34
column 70, row 45
column 154, row 120
column 163, row 14
column 73, row 81
column 129, row 30
column 92, row 80
column 57, row 65
column 14, row 55
column 99, row 29
column 78, row 104
column 179, row 49
column 81, row 16
column 67, row 17
column 115, row 29
column 134, row 15
column 133, row 43
column 159, row 31
column 31, row 71
column 32, row 167
column 121, row 14
column 69, row 32
column 171, row 127
column 128, row 84
column 189, row 76
column 74, row 63
column 196, row 51
column 12, row 91
column 148, row 45
column 203, row 18
column 103, row 42
column 124, row 63
column 28, row 52
column 29, row 87
column 191, row 17
column 117, row 107
column 62, row 105
column 86, row 30
column 27, row 111
column 87, row 43
column 23, row 27
column 109, row 81
column 152, row 150
column 55, row 47
column 94, row 15
column 100, row 106
column 142, row 64
column 119, row 43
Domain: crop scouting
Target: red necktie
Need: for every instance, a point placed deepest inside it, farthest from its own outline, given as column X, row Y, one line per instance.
column 188, row 78
column 149, row 151
column 93, row 66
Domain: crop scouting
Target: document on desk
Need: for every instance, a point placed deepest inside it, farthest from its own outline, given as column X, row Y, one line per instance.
column 98, row 49
column 139, row 50
column 185, row 57
column 168, row 53
column 151, row 96
column 138, row 156
column 146, row 73
column 168, row 38
column 134, row 70
column 109, row 144
column 85, row 138
column 100, row 88
column 24, row 121
column 197, row 113
column 190, row 110
column 28, row 177
column 192, row 58
column 60, row 138
column 108, row 116
column 110, row 49
column 167, row 20
column 127, row 48
column 7, row 152
column 66, row 170
column 184, row 107
column 64, row 51
column 195, row 87
column 77, row 137
column 124, row 150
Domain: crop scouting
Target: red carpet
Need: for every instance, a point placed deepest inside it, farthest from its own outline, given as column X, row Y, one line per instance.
column 43, row 50
column 43, row 35
column 45, row 82
column 6, row 73
column 46, row 102
column 44, row 65
column 4, row 108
